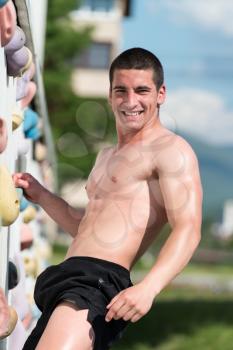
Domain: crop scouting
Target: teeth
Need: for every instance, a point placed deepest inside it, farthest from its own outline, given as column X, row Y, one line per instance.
column 132, row 113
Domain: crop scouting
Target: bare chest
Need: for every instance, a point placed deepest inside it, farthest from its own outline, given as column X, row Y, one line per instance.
column 119, row 175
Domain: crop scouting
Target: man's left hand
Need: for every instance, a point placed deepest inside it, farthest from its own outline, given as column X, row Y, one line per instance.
column 130, row 304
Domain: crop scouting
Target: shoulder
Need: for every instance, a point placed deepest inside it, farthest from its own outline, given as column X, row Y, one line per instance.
column 185, row 147
column 175, row 154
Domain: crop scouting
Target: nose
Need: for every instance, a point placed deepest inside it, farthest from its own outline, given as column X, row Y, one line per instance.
column 131, row 99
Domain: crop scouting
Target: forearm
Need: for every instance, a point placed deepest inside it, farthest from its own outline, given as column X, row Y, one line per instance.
column 67, row 217
column 173, row 257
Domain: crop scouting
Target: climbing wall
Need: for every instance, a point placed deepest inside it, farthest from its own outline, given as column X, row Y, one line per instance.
column 25, row 146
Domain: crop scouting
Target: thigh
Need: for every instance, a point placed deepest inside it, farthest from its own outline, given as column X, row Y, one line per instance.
column 68, row 329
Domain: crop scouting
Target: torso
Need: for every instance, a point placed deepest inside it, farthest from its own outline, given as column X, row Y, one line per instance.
column 125, row 212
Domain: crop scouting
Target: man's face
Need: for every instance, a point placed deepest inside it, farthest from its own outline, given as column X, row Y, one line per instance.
column 134, row 98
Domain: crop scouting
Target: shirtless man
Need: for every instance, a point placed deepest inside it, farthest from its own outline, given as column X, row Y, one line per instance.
column 149, row 178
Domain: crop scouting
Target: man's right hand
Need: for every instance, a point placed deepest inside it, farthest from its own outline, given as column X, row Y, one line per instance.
column 67, row 217
column 32, row 189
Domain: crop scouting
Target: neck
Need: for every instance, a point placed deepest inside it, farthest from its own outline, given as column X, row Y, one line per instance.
column 133, row 136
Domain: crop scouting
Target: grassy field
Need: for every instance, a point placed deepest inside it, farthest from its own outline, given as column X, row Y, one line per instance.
column 183, row 318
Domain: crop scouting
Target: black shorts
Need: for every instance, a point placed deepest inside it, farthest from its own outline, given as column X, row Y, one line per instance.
column 90, row 283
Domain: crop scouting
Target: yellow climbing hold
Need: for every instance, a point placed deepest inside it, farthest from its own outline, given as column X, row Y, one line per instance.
column 9, row 201
column 17, row 118
column 29, row 214
column 31, row 264
column 12, row 323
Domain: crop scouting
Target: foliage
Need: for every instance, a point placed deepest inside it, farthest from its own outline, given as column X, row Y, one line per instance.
column 183, row 320
column 63, row 43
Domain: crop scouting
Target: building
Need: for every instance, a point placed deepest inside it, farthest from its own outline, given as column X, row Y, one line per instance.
column 90, row 77
column 224, row 230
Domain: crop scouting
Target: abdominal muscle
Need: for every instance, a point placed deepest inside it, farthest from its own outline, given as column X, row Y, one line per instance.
column 117, row 231
column 122, row 217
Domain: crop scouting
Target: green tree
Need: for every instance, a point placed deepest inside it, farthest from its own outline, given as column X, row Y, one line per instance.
column 63, row 43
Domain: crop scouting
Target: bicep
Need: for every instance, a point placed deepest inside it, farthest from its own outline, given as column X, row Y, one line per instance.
column 182, row 193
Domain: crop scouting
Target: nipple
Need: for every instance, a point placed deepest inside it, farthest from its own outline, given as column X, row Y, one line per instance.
column 114, row 179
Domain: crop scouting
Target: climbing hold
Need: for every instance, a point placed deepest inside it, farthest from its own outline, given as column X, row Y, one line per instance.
column 21, row 87
column 30, row 128
column 29, row 214
column 31, row 71
column 17, row 41
column 43, row 249
column 18, row 62
column 26, row 236
column 31, row 119
column 33, row 134
column 3, row 135
column 17, row 118
column 7, row 22
column 30, row 263
column 22, row 82
column 31, row 91
column 40, row 152
column 13, row 318
column 13, row 276
column 9, row 201
column 24, row 203
column 3, row 3
column 23, row 147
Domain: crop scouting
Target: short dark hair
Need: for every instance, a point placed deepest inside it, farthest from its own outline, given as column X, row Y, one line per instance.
column 138, row 58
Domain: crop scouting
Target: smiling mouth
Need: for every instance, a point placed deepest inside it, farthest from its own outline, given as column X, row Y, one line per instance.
column 132, row 114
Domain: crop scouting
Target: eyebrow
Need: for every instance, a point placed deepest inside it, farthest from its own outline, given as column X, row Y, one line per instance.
column 140, row 87
column 143, row 87
column 119, row 87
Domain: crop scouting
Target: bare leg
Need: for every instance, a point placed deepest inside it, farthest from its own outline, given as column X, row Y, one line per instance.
column 67, row 329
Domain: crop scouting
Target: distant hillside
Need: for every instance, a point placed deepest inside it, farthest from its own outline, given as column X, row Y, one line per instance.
column 216, row 166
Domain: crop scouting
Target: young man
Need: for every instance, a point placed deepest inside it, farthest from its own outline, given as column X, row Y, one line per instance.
column 149, row 178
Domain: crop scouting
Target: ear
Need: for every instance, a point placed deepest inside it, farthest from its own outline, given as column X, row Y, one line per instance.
column 161, row 95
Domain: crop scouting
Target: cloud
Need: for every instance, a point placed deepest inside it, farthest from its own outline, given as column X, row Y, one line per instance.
column 199, row 113
column 212, row 14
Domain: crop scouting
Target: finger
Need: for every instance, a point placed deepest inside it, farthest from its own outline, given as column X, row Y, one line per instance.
column 22, row 183
column 129, row 315
column 22, row 177
column 113, row 300
column 136, row 317
column 114, row 309
column 25, row 176
column 112, row 312
column 18, row 175
column 123, row 311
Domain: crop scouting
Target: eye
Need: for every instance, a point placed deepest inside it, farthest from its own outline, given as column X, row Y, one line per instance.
column 142, row 91
column 120, row 91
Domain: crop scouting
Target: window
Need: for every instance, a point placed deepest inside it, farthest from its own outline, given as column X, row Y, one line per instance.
column 96, row 56
column 97, row 5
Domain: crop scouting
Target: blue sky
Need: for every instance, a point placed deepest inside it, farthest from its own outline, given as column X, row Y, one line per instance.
column 194, row 41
